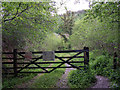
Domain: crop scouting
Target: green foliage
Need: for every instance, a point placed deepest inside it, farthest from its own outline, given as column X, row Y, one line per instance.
column 81, row 79
column 100, row 65
column 28, row 24
column 98, row 29
column 96, row 35
column 53, row 41
column 115, row 78
column 103, row 65
column 68, row 20
column 102, row 10
column 31, row 26
column 48, row 80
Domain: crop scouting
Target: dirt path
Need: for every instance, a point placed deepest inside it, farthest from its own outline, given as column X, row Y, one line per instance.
column 102, row 82
column 63, row 81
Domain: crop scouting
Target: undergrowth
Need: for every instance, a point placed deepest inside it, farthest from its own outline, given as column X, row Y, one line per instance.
column 103, row 65
column 81, row 79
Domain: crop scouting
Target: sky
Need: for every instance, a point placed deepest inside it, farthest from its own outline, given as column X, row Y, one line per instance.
column 73, row 5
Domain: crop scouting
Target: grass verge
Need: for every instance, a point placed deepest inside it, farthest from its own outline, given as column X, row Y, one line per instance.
column 48, row 80
column 10, row 82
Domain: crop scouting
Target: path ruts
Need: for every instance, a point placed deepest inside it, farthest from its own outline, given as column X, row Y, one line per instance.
column 63, row 80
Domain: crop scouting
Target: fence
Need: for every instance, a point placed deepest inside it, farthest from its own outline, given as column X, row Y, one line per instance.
column 17, row 56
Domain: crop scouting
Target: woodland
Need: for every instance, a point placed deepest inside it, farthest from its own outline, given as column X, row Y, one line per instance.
column 36, row 26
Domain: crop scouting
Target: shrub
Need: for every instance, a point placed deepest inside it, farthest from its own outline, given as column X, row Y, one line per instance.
column 115, row 78
column 52, row 42
column 102, row 65
column 81, row 79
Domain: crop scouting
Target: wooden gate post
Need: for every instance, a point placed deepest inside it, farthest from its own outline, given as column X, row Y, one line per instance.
column 87, row 53
column 115, row 61
column 15, row 61
column 86, row 57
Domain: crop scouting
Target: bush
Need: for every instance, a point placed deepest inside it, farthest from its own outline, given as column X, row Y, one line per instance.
column 102, row 65
column 92, row 56
column 81, row 79
column 115, row 78
column 52, row 42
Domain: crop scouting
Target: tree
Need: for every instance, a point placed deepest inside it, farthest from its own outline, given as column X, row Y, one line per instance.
column 26, row 24
column 68, row 20
column 98, row 29
column 66, row 26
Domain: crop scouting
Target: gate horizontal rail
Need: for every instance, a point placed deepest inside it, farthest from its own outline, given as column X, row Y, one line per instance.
column 41, row 58
column 39, row 68
column 41, row 62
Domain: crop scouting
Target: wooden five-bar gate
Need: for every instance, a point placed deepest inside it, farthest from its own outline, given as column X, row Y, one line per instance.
column 16, row 56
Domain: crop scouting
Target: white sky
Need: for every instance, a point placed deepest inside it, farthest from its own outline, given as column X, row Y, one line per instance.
column 71, row 5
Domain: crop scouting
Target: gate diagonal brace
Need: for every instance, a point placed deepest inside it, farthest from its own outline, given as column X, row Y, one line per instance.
column 32, row 62
column 41, row 67
column 70, row 59
column 21, row 55
column 65, row 62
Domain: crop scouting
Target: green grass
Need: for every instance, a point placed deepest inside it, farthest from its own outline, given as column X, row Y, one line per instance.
column 48, row 80
column 10, row 82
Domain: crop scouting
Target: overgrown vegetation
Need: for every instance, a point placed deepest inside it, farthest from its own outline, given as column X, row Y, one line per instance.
column 28, row 24
column 99, row 65
column 81, row 79
column 103, row 65
column 98, row 29
column 35, row 26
